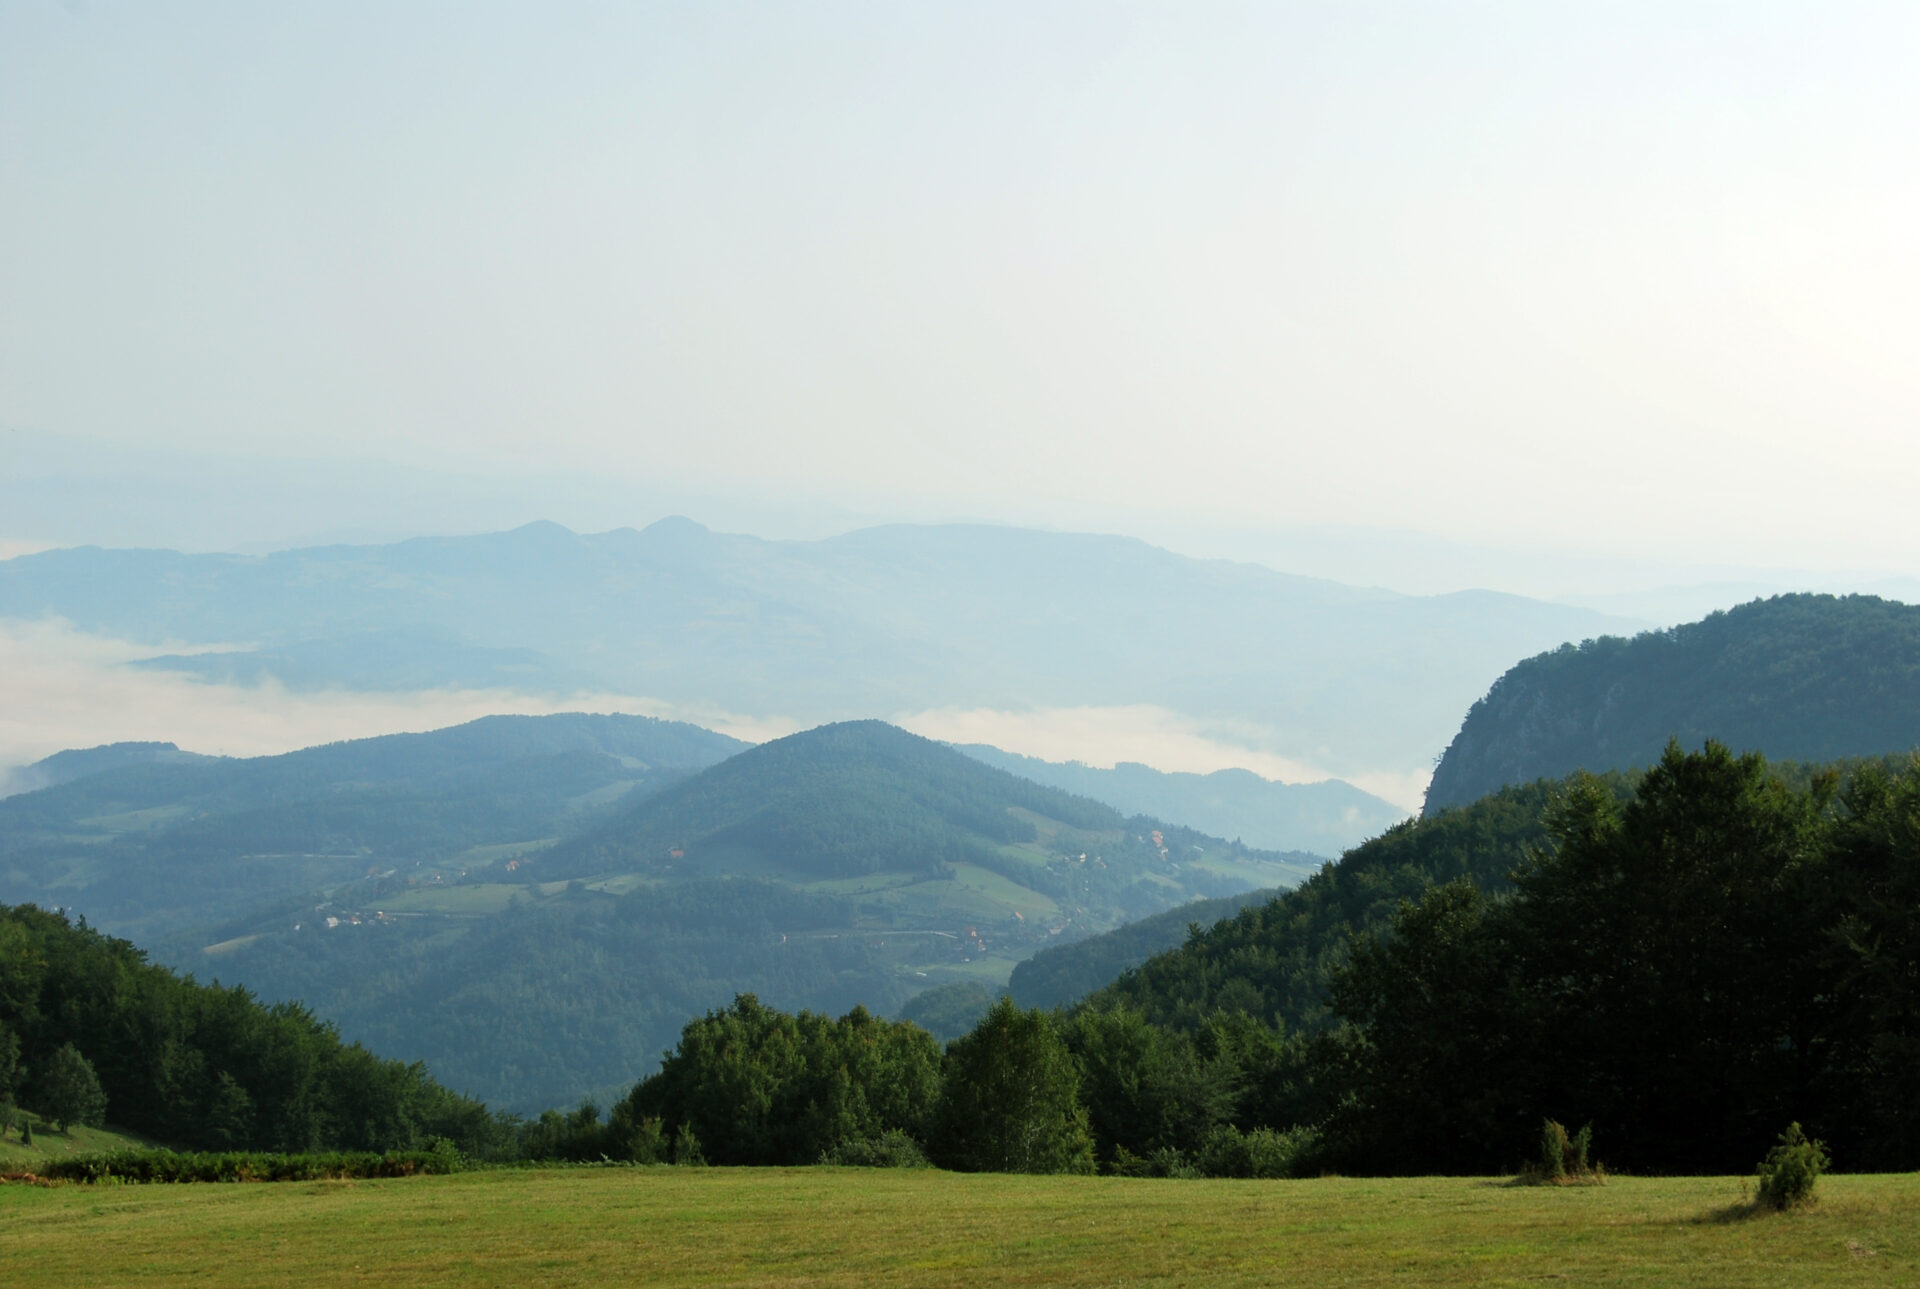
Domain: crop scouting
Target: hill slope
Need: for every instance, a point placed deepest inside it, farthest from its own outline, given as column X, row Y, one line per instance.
column 200, row 1066
column 1798, row 677
column 1064, row 973
column 1272, row 960
column 149, row 840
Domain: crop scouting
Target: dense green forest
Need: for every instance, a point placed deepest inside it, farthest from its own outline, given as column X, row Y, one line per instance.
column 198, row 1065
column 1687, row 962
column 1798, row 677
column 1064, row 973
column 1688, row 970
column 1274, row 961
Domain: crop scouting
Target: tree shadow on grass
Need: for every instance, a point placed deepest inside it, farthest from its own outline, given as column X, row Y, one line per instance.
column 1745, row 1210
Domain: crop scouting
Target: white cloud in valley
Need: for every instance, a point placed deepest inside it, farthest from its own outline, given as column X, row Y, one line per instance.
column 1166, row 740
column 67, row 689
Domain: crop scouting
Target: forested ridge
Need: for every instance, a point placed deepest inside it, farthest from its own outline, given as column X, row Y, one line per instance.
column 154, row 842
column 1798, row 677
column 198, row 1065
column 1275, row 960
column 1064, row 973
column 843, row 800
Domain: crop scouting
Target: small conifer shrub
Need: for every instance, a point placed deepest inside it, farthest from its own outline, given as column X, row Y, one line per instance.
column 1787, row 1176
column 1564, row 1159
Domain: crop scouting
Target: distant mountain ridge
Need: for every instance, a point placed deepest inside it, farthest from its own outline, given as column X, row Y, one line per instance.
column 883, row 621
column 1324, row 818
column 1798, row 677
column 146, row 839
column 78, row 763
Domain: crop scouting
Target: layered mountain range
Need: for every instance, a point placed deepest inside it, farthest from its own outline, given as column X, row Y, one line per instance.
column 880, row 622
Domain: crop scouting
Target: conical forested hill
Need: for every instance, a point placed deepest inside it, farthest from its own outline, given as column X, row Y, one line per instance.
column 1797, row 677
column 842, row 800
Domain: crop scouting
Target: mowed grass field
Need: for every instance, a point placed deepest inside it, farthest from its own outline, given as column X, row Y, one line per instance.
column 856, row 1227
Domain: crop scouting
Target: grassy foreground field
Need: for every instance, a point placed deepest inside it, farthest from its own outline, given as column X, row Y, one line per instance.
column 856, row 1227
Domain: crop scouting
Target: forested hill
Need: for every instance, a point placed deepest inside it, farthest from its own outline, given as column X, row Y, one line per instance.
column 1065, row 973
column 864, row 797
column 149, row 840
column 196, row 1065
column 1799, row 677
column 1274, row 960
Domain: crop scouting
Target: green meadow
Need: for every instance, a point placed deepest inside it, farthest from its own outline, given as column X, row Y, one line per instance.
column 819, row 1226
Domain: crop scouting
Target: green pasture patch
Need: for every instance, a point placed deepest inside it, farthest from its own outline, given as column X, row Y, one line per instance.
column 846, row 1227
column 600, row 796
column 127, row 821
column 622, row 883
column 991, row 969
column 972, row 895
column 865, row 884
column 1065, row 836
column 1028, row 853
column 479, row 899
column 1003, row 892
column 49, row 1144
column 1257, row 873
column 498, row 853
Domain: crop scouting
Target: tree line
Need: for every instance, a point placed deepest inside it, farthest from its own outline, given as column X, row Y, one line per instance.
column 89, row 1030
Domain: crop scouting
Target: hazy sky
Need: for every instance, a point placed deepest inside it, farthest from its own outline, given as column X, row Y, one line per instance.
column 1631, row 278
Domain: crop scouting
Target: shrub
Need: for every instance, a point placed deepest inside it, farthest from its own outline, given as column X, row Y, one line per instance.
column 1787, row 1176
column 641, row 1141
column 1165, row 1161
column 891, row 1149
column 1258, row 1152
column 1564, row 1159
column 247, row 1166
column 686, row 1147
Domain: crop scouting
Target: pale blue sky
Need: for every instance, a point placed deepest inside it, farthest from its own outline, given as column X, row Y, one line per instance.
column 1621, row 278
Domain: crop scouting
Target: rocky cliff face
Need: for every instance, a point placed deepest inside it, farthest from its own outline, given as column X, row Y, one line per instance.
column 1798, row 677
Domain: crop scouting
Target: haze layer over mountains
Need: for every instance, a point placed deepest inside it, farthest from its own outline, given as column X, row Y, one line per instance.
column 960, row 632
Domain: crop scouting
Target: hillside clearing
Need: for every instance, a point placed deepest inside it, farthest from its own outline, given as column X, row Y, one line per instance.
column 847, row 1227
